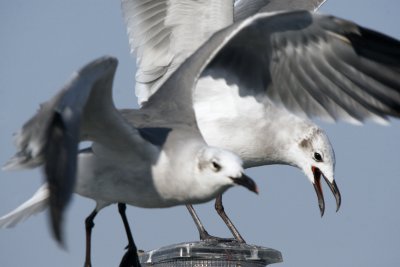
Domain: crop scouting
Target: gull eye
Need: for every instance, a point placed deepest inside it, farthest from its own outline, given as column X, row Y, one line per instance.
column 317, row 157
column 216, row 166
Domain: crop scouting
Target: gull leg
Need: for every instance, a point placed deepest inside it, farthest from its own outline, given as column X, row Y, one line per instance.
column 130, row 259
column 204, row 235
column 221, row 211
column 89, row 224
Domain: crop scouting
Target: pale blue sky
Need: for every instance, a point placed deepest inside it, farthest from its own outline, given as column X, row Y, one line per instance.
column 43, row 42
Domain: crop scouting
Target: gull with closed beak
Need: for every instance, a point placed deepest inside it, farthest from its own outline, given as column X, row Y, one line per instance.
column 159, row 161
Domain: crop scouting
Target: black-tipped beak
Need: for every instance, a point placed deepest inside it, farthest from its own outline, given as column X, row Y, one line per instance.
column 247, row 182
column 336, row 193
column 318, row 189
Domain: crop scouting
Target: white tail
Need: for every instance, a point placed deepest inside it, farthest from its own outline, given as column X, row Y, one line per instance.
column 36, row 204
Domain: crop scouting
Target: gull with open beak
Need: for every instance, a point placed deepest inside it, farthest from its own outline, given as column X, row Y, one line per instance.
column 271, row 80
column 315, row 156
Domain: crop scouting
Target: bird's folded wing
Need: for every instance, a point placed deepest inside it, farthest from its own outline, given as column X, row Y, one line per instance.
column 163, row 33
column 247, row 8
column 82, row 110
column 314, row 65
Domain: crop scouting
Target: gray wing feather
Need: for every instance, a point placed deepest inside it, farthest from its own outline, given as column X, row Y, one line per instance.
column 163, row 33
column 246, row 8
column 314, row 65
column 362, row 81
column 51, row 137
column 82, row 110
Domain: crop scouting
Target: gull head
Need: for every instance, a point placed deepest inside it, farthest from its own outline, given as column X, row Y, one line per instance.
column 222, row 169
column 313, row 153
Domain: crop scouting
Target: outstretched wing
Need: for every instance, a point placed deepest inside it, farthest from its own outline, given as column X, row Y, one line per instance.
column 314, row 65
column 163, row 33
column 246, row 8
column 82, row 110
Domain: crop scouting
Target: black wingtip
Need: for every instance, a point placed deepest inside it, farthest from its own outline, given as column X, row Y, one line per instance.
column 60, row 169
column 56, row 219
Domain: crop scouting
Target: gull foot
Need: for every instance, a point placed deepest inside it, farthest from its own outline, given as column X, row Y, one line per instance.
column 209, row 238
column 130, row 259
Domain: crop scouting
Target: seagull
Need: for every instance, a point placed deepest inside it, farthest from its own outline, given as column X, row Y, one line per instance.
column 271, row 80
column 159, row 161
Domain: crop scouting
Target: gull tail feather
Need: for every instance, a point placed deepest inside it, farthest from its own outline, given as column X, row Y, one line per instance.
column 37, row 203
